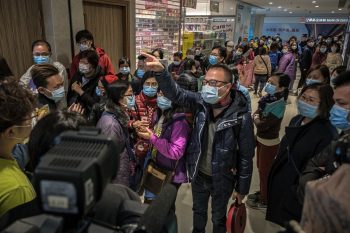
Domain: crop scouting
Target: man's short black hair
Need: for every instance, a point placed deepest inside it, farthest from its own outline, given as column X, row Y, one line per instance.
column 178, row 54
column 339, row 69
column 41, row 42
column 84, row 34
column 310, row 40
column 227, row 71
column 91, row 56
column 222, row 50
column 41, row 72
column 342, row 79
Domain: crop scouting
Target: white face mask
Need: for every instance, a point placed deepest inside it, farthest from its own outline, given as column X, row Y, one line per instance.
column 311, row 44
column 84, row 68
column 334, row 49
column 294, row 47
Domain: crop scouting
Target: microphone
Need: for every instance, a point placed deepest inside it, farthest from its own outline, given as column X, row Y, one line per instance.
column 157, row 213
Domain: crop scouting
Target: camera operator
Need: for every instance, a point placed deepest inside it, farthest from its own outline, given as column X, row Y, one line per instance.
column 323, row 163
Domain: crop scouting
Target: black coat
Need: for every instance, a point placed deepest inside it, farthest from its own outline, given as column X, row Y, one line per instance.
column 300, row 144
column 89, row 98
column 225, row 156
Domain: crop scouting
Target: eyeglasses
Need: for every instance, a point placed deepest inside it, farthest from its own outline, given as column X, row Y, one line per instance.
column 213, row 83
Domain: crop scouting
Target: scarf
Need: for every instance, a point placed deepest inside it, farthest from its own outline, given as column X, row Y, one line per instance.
column 268, row 99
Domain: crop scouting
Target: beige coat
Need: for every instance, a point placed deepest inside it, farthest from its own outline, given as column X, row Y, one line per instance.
column 260, row 67
column 333, row 61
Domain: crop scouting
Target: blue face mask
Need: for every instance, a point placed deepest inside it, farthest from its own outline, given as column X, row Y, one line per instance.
column 307, row 110
column 98, row 92
column 311, row 81
column 270, row 89
column 149, row 91
column 213, row 60
column 339, row 117
column 163, row 103
column 41, row 59
column 125, row 70
column 140, row 73
column 211, row 94
column 58, row 94
column 130, row 102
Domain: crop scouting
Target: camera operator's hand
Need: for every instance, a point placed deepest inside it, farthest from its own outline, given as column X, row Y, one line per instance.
column 76, row 108
column 152, row 63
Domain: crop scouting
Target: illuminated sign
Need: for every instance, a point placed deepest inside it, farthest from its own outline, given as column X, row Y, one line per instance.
column 318, row 20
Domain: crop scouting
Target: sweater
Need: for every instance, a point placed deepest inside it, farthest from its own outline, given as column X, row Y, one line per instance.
column 259, row 66
column 333, row 60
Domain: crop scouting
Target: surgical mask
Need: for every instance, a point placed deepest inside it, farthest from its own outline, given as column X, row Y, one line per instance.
column 190, row 57
column 229, row 49
column 311, row 44
column 140, row 73
column 198, row 52
column 335, row 39
column 149, row 91
column 334, row 49
column 329, row 41
column 307, row 110
column 125, row 70
column 57, row 94
column 163, row 103
column 41, row 59
column 269, row 41
column 285, row 51
column 238, row 53
column 99, row 92
column 320, row 37
column 213, row 60
column 211, row 94
column 294, row 47
column 176, row 63
column 339, row 117
column 262, row 42
column 84, row 47
column 277, row 39
column 311, row 81
column 130, row 101
column 83, row 68
column 270, row 89
column 323, row 50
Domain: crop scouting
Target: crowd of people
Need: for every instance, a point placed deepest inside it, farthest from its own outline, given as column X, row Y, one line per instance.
column 192, row 119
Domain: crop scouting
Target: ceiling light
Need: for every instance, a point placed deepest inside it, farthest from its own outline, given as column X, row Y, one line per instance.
column 290, row 12
column 279, row 7
column 231, row 8
column 340, row 9
column 313, row 2
column 285, row 10
column 270, row 3
column 332, row 12
column 317, row 6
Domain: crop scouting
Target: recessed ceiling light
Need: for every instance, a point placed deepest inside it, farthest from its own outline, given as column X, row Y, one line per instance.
column 279, row 7
column 317, row 6
column 290, row 12
column 313, row 2
column 340, row 9
column 270, row 3
column 231, row 8
column 285, row 10
column 332, row 12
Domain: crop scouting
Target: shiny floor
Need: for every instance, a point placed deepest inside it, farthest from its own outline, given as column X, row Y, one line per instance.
column 256, row 222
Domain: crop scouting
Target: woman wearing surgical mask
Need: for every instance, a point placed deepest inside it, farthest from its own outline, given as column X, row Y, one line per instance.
column 82, row 87
column 143, row 111
column 318, row 74
column 16, row 108
column 168, row 139
column 114, row 122
column 262, row 70
column 334, row 58
column 267, row 119
column 320, row 54
column 287, row 65
column 124, row 70
column 306, row 136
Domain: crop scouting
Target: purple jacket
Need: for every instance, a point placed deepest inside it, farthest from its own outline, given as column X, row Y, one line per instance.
column 171, row 146
column 111, row 127
column 287, row 65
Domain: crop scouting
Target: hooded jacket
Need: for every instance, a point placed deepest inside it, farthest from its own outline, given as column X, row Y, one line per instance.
column 287, row 65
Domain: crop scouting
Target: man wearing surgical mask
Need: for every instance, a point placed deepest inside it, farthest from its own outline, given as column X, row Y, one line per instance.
column 82, row 86
column 217, row 56
column 42, row 55
column 174, row 68
column 50, row 86
column 306, row 61
column 85, row 41
column 214, row 166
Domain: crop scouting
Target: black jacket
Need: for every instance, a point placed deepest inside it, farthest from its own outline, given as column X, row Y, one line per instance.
column 43, row 100
column 300, row 144
column 188, row 81
column 89, row 98
column 306, row 58
column 225, row 156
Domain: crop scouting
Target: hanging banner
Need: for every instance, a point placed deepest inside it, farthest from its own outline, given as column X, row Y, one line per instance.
column 190, row 3
column 187, row 43
column 225, row 25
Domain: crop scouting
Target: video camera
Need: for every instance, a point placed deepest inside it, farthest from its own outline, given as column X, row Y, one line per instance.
column 71, row 178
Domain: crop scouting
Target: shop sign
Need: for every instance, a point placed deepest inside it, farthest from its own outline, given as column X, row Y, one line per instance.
column 190, row 3
column 318, row 20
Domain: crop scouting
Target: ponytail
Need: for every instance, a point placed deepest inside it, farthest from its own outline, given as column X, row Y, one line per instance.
column 283, row 81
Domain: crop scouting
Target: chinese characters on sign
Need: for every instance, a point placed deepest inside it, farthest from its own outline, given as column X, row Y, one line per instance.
column 282, row 29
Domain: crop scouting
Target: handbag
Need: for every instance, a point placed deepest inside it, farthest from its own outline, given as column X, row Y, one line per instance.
column 236, row 218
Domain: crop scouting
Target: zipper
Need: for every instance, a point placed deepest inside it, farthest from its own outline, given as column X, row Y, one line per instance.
column 200, row 151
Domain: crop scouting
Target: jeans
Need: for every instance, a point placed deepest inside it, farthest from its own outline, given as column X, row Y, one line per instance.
column 202, row 189
column 259, row 79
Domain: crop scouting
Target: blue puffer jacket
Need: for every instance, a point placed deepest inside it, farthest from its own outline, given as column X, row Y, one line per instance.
column 225, row 157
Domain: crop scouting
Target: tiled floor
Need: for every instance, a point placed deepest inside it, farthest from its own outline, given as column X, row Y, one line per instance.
column 256, row 222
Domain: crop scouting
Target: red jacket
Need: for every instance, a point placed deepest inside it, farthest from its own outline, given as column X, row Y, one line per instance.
column 105, row 63
column 318, row 58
